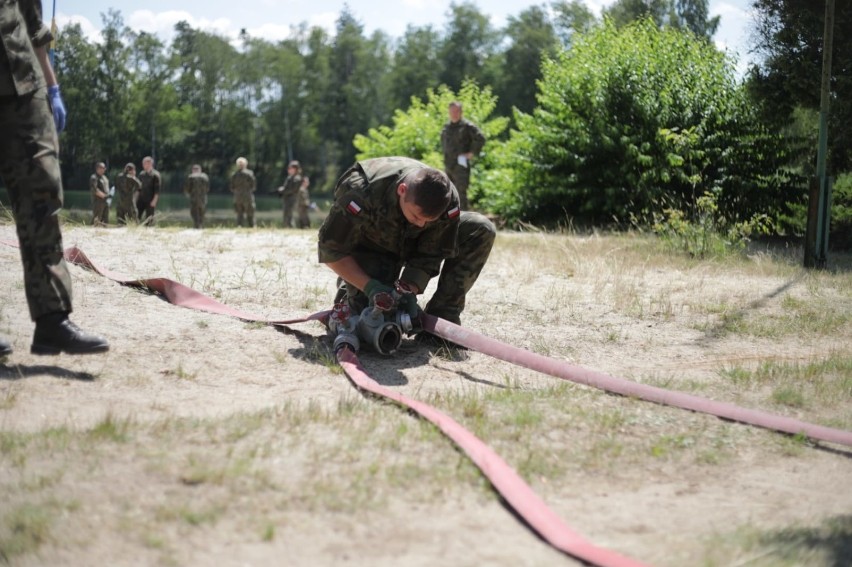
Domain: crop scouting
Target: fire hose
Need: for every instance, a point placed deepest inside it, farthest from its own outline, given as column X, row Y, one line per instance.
column 523, row 500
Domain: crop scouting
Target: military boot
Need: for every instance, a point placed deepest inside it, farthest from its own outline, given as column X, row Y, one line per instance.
column 55, row 333
column 5, row 347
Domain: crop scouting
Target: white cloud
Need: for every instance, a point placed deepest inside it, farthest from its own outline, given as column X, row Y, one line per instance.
column 91, row 32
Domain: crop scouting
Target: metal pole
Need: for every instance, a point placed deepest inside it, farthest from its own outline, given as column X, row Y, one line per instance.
column 816, row 250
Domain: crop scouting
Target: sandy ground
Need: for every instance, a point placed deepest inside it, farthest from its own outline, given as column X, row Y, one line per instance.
column 181, row 379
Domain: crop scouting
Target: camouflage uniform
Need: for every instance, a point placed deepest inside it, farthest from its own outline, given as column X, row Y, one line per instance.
column 242, row 186
column 126, row 191
column 196, row 187
column 100, row 207
column 150, row 181
column 289, row 197
column 29, row 164
column 302, row 205
column 366, row 223
column 460, row 138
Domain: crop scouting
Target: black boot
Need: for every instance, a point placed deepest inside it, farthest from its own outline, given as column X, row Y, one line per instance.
column 5, row 347
column 55, row 333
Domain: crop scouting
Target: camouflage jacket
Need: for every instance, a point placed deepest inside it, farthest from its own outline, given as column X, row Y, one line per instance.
column 242, row 182
column 197, row 185
column 291, row 185
column 21, row 30
column 459, row 138
column 98, row 183
column 366, row 218
column 125, row 188
column 150, row 185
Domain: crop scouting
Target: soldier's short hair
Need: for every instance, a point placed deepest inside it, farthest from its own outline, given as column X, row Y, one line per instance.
column 455, row 104
column 147, row 159
column 196, row 167
column 129, row 167
column 242, row 162
column 295, row 164
column 100, row 164
column 431, row 191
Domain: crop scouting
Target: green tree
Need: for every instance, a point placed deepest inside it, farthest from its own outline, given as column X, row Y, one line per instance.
column 532, row 39
column 572, row 18
column 789, row 36
column 416, row 132
column 416, row 65
column 634, row 121
column 469, row 44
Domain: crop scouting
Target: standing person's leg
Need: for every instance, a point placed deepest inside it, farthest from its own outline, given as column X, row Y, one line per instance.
column 29, row 166
column 238, row 207
column 460, row 176
column 476, row 238
column 250, row 211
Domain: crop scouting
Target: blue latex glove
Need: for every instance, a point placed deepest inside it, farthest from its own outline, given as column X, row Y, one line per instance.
column 57, row 106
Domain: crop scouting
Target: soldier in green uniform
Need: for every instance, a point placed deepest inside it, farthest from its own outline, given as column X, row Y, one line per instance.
column 31, row 115
column 127, row 187
column 149, row 192
column 242, row 185
column 289, row 192
column 99, row 186
column 196, row 187
column 393, row 215
column 461, row 140
column 304, row 203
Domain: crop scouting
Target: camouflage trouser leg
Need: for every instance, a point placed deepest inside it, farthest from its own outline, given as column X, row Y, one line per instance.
column 29, row 167
column 460, row 176
column 289, row 205
column 476, row 237
column 100, row 213
column 145, row 212
column 197, row 210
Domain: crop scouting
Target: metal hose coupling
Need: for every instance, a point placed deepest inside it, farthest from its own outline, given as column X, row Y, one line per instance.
column 375, row 328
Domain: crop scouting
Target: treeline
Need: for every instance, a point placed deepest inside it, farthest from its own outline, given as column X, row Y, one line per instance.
column 203, row 99
column 629, row 119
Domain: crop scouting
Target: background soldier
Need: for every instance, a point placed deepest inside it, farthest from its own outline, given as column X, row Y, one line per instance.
column 149, row 193
column 393, row 214
column 304, row 203
column 127, row 187
column 289, row 192
column 242, row 186
column 99, row 186
column 196, row 187
column 461, row 140
column 31, row 114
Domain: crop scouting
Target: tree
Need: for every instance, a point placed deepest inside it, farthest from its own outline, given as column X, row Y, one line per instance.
column 416, row 65
column 469, row 44
column 632, row 122
column 690, row 15
column 572, row 18
column 790, row 38
column 532, row 39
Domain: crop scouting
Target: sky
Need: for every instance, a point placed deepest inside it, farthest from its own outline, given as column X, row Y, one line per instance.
column 272, row 19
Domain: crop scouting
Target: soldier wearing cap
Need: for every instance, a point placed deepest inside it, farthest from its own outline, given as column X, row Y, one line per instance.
column 289, row 192
column 395, row 218
column 99, row 187
column 127, row 188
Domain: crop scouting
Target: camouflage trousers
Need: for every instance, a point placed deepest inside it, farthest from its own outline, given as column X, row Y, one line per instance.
column 100, row 212
column 197, row 208
column 476, row 238
column 460, row 176
column 244, row 207
column 289, row 204
column 125, row 212
column 29, row 167
column 145, row 213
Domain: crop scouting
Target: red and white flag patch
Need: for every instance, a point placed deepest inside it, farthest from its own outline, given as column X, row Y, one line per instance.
column 353, row 207
column 453, row 213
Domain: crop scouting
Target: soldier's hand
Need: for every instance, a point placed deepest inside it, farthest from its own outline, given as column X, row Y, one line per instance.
column 408, row 304
column 377, row 291
column 57, row 106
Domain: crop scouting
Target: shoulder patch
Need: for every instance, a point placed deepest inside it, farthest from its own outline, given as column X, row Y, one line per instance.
column 353, row 208
column 453, row 213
